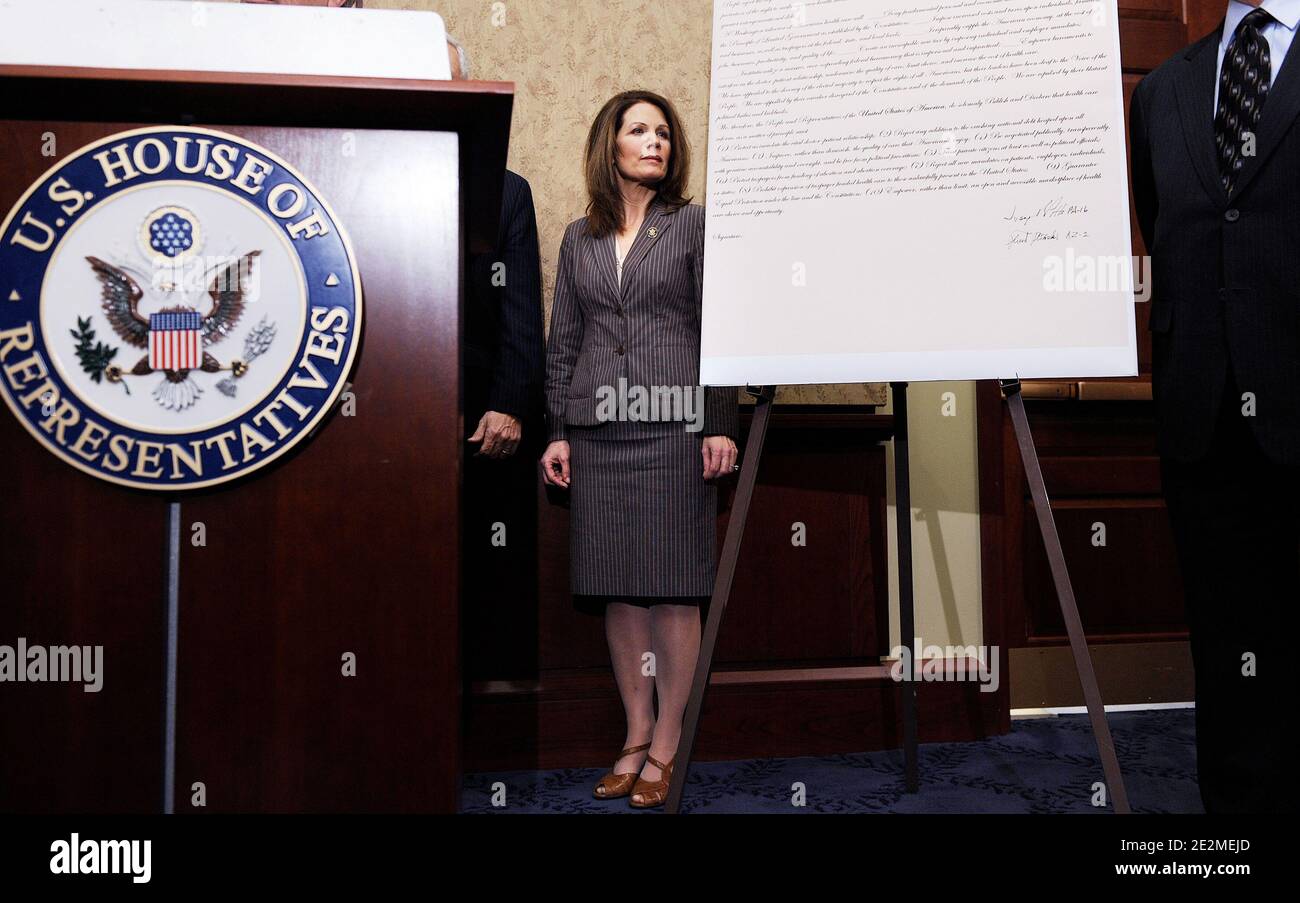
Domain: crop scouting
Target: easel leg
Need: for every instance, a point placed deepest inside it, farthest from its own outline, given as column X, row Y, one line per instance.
column 1065, row 593
column 721, row 591
column 906, row 609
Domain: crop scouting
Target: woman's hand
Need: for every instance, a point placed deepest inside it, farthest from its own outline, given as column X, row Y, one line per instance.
column 719, row 456
column 555, row 464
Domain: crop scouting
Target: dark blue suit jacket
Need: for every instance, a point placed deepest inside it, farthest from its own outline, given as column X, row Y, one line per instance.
column 1225, row 268
column 503, row 345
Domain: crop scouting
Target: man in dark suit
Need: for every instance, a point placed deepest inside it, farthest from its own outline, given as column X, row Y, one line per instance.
column 503, row 348
column 504, row 351
column 504, row 357
column 1216, row 183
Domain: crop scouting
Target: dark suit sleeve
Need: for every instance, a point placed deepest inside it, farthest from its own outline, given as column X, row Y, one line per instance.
column 721, row 412
column 1143, row 179
column 517, row 379
column 565, row 339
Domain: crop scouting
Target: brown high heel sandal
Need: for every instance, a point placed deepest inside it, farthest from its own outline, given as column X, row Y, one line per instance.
column 653, row 793
column 612, row 786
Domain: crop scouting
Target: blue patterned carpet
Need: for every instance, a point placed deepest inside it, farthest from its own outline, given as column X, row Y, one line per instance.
column 1045, row 765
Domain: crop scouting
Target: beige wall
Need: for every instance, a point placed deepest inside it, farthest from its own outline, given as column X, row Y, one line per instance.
column 566, row 58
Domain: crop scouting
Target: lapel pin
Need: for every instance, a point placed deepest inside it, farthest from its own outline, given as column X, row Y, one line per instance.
column 652, row 231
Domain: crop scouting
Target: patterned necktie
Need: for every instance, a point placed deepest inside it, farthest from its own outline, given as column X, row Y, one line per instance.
column 1243, row 88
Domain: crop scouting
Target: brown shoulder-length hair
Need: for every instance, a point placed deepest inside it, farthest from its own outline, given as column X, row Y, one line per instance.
column 604, row 201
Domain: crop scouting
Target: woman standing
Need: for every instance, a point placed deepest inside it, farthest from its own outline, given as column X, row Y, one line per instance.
column 625, row 324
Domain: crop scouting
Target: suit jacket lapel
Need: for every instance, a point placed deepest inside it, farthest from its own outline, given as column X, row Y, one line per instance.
column 1195, row 87
column 606, row 264
column 652, row 231
column 1280, row 109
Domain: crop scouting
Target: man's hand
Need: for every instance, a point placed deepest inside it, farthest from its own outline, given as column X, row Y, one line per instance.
column 499, row 433
column 555, row 464
column 719, row 456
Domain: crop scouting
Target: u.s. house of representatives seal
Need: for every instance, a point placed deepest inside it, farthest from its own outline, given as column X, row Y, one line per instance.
column 178, row 307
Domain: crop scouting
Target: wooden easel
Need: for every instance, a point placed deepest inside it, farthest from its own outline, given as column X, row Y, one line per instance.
column 763, row 398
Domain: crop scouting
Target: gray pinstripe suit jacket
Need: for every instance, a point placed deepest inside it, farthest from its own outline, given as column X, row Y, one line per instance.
column 646, row 330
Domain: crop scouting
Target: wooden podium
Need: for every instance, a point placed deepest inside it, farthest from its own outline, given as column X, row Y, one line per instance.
column 348, row 544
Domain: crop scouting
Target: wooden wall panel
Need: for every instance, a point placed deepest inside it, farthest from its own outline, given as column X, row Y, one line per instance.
column 1146, row 43
column 826, row 601
column 1151, row 9
column 1131, row 582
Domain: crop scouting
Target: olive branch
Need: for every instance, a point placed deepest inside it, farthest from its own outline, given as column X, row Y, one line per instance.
column 94, row 358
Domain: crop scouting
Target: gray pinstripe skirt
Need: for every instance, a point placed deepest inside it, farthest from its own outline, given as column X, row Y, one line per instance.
column 642, row 519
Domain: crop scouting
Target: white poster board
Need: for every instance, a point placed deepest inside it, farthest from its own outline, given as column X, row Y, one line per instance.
column 224, row 37
column 901, row 191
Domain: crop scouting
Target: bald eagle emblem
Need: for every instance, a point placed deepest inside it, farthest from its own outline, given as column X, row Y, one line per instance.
column 178, row 335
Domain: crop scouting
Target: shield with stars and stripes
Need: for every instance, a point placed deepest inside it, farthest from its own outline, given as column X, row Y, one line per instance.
column 175, row 340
